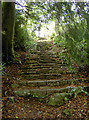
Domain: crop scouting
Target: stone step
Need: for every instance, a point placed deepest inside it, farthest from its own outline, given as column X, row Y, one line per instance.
column 34, row 66
column 53, row 65
column 44, row 68
column 36, row 52
column 43, row 56
column 52, row 82
column 34, row 58
column 37, row 67
column 41, row 76
column 43, row 71
column 46, row 52
column 43, row 61
column 42, row 93
column 48, row 57
column 46, row 63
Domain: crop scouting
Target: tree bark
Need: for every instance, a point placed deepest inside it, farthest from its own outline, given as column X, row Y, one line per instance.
column 8, row 18
column 58, row 14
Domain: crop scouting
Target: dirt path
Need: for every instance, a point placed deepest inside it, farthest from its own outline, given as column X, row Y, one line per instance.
column 40, row 74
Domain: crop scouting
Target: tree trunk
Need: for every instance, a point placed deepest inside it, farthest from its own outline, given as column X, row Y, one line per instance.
column 56, row 27
column 58, row 14
column 8, row 18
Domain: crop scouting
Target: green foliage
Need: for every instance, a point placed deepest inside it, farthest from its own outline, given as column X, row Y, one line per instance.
column 76, row 42
column 20, row 37
column 20, row 31
column 23, row 38
column 84, row 91
column 73, row 39
column 66, row 112
column 75, row 92
column 2, row 67
column 52, row 36
column 17, row 117
column 14, row 85
column 11, row 99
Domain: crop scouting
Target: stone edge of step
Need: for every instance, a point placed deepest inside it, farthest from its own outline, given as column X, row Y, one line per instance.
column 45, row 92
column 52, row 82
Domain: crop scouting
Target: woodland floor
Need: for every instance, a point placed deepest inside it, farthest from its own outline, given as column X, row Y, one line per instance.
column 34, row 109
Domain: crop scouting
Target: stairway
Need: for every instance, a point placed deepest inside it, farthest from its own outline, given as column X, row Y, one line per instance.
column 45, row 76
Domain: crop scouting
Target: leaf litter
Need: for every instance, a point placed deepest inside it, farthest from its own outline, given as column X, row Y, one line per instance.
column 33, row 108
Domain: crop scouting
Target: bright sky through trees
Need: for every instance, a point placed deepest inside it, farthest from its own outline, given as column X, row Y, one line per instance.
column 47, row 30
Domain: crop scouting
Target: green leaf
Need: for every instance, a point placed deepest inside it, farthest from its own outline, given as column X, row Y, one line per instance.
column 66, row 99
column 12, row 99
column 5, row 92
column 75, row 94
column 16, row 116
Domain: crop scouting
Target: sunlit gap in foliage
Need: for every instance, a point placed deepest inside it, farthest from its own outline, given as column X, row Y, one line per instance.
column 46, row 30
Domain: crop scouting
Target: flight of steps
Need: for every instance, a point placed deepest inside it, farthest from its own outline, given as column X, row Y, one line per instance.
column 43, row 74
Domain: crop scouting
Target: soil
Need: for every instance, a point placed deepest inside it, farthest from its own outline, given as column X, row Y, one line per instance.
column 35, row 109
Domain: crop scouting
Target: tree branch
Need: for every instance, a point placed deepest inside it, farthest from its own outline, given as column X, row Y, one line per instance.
column 21, row 5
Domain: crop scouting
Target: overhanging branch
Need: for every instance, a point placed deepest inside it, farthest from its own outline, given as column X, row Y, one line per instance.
column 21, row 5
